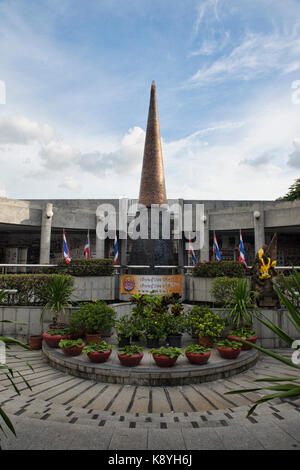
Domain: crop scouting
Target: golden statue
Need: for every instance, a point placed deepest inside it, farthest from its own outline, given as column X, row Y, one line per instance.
column 263, row 271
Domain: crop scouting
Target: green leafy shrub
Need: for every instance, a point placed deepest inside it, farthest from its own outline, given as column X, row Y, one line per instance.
column 219, row 269
column 91, row 317
column 172, row 325
column 130, row 350
column 84, row 267
column 239, row 305
column 210, row 325
column 242, row 333
column 57, row 293
column 164, row 351
column 197, row 349
column 98, row 347
column 70, row 343
column 31, row 288
column 194, row 316
column 223, row 288
column 226, row 344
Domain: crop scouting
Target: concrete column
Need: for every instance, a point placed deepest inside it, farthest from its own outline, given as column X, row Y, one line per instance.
column 45, row 243
column 259, row 227
column 204, row 252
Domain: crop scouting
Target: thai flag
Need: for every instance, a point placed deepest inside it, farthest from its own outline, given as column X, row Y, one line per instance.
column 66, row 249
column 116, row 249
column 86, row 250
column 242, row 251
column 216, row 250
column 192, row 253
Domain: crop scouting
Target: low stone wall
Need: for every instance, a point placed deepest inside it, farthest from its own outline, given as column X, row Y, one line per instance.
column 31, row 316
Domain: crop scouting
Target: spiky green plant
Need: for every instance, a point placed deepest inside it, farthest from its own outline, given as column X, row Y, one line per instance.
column 239, row 304
column 10, row 372
column 57, row 295
column 289, row 389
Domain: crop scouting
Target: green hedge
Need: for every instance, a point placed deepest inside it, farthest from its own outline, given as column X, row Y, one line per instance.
column 84, row 267
column 30, row 288
column 219, row 269
column 222, row 289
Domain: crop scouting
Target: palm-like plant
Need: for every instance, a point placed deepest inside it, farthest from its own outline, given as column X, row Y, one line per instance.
column 9, row 371
column 289, row 389
column 239, row 304
column 57, row 295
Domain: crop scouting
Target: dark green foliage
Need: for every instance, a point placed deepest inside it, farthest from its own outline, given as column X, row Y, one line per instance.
column 197, row 349
column 101, row 347
column 219, row 269
column 226, row 344
column 294, row 192
column 84, row 267
column 91, row 317
column 70, row 343
column 170, row 352
column 31, row 288
column 130, row 350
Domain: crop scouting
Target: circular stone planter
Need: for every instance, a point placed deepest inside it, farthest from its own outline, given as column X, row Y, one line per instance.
column 130, row 361
column 99, row 357
column 245, row 347
column 228, row 353
column 53, row 340
column 164, row 361
column 198, row 358
column 73, row 351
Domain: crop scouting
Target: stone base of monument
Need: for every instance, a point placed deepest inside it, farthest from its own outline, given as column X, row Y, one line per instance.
column 147, row 373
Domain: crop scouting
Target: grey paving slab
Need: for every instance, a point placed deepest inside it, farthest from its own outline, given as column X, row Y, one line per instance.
column 238, row 437
column 202, row 439
column 164, row 439
column 129, row 439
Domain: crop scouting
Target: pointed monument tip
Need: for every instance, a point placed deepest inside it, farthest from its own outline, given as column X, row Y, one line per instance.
column 153, row 84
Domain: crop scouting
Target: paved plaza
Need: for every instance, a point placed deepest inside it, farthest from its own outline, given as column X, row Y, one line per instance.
column 66, row 412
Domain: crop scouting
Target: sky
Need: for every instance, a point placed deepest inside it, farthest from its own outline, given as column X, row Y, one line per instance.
column 75, row 82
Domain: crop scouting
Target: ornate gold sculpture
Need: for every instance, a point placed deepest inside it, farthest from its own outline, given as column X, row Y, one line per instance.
column 263, row 271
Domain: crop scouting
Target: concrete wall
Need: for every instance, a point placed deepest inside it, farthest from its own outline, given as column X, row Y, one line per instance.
column 94, row 287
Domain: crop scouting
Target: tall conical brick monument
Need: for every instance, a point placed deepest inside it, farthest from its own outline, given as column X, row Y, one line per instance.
column 149, row 251
column 153, row 188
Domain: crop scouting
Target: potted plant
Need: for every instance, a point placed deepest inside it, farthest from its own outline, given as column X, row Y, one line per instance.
column 243, row 333
column 35, row 341
column 229, row 349
column 173, row 326
column 209, row 328
column 197, row 354
column 106, row 316
column 71, row 347
column 165, row 356
column 98, row 352
column 130, row 356
column 193, row 317
column 153, row 327
column 124, row 330
column 53, row 337
column 57, row 294
column 239, row 305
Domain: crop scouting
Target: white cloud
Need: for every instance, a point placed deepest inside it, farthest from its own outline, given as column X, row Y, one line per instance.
column 257, row 56
column 70, row 183
column 21, row 130
column 58, row 155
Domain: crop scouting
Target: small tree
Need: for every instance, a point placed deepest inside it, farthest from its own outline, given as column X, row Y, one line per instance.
column 294, row 192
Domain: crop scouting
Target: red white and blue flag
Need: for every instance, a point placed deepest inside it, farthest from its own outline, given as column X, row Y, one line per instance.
column 86, row 250
column 216, row 250
column 242, row 258
column 66, row 249
column 194, row 259
column 116, row 249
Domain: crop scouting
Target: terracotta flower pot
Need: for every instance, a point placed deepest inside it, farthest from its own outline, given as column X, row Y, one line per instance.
column 206, row 341
column 92, row 338
column 194, row 358
column 35, row 341
column 245, row 347
column 98, row 356
column 228, row 353
column 53, row 340
column 130, row 361
column 164, row 361
column 73, row 351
